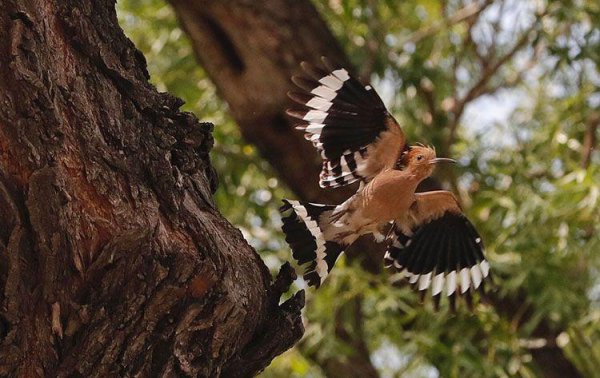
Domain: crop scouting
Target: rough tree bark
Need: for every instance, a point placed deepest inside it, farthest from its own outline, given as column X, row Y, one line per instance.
column 250, row 50
column 114, row 260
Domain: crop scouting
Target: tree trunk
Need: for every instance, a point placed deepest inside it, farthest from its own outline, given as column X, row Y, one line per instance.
column 114, row 260
column 250, row 50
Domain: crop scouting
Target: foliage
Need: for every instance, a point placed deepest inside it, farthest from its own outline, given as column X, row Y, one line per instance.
column 509, row 87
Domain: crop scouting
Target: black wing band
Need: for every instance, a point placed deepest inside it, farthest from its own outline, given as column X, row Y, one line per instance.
column 445, row 255
column 341, row 117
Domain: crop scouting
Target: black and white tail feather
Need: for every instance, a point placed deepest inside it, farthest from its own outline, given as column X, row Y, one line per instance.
column 303, row 228
column 445, row 254
column 345, row 121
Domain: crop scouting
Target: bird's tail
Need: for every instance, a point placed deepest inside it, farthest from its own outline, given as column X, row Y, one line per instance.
column 311, row 232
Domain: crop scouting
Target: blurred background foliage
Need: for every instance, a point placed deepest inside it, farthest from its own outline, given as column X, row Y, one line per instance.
column 511, row 89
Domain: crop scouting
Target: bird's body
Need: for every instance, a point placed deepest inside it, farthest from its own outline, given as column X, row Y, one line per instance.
column 386, row 198
column 430, row 241
column 380, row 200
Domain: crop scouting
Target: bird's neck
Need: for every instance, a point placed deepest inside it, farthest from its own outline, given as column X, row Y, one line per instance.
column 418, row 174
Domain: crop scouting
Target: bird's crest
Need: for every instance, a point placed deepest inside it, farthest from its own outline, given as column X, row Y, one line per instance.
column 402, row 160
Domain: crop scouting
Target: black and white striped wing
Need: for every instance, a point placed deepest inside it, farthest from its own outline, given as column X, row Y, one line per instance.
column 438, row 248
column 348, row 124
column 302, row 228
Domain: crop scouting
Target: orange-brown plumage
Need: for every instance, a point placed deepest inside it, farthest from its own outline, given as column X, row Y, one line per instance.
column 431, row 242
column 387, row 197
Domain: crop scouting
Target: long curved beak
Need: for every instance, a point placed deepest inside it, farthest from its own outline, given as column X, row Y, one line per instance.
column 440, row 160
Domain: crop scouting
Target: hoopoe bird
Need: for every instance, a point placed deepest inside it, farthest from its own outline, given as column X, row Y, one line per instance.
column 430, row 242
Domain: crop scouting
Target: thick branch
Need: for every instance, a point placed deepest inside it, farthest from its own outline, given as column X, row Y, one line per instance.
column 113, row 258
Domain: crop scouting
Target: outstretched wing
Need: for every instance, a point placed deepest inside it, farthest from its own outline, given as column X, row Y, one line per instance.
column 347, row 123
column 435, row 246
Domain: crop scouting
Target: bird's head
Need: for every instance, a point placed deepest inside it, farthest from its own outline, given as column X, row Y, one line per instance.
column 421, row 160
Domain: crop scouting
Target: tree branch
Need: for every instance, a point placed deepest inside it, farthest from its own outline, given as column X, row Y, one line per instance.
column 481, row 85
column 114, row 260
column 465, row 13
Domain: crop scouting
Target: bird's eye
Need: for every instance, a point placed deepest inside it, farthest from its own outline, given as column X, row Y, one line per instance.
column 420, row 157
